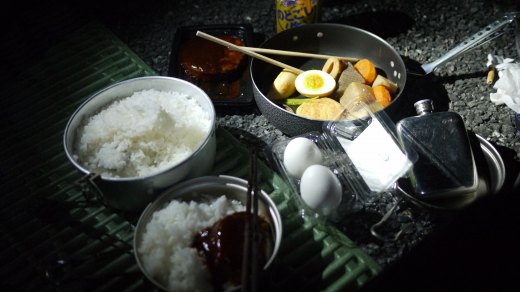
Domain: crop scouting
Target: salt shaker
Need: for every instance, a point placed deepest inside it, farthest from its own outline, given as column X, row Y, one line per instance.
column 445, row 166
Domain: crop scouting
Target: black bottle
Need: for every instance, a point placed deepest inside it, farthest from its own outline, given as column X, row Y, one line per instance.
column 445, row 166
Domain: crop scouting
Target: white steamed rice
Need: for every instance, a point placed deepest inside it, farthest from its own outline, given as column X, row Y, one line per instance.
column 166, row 251
column 142, row 134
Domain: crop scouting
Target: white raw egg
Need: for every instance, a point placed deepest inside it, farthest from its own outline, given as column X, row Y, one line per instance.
column 314, row 83
column 299, row 154
column 320, row 189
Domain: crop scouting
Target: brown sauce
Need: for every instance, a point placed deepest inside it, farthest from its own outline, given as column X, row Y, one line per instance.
column 213, row 67
column 222, row 247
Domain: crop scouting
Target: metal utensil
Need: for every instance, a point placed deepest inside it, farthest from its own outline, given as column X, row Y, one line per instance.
column 484, row 35
column 375, row 227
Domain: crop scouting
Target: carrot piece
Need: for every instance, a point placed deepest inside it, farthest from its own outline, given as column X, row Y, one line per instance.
column 367, row 69
column 382, row 95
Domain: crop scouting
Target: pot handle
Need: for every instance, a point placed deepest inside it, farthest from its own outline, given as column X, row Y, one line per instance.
column 485, row 34
column 87, row 184
column 374, row 228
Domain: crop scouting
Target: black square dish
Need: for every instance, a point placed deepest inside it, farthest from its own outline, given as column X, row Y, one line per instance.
column 221, row 73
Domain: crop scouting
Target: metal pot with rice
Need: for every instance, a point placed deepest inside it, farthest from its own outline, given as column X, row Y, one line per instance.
column 191, row 238
column 137, row 137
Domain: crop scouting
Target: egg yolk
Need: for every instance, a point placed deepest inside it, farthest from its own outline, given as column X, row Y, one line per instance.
column 313, row 81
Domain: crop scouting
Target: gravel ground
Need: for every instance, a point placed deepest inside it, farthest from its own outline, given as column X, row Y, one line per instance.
column 421, row 31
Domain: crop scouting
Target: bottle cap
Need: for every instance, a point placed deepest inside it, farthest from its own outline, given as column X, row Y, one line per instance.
column 424, row 106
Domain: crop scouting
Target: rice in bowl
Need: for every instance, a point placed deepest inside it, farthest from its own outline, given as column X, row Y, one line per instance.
column 191, row 238
column 142, row 134
column 166, row 247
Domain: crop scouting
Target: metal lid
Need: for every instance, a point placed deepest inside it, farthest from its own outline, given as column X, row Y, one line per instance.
column 423, row 107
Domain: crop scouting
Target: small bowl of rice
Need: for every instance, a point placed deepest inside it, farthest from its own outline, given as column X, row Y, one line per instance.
column 191, row 237
column 140, row 136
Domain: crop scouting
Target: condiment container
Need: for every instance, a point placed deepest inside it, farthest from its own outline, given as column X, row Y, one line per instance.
column 445, row 166
column 363, row 153
column 230, row 91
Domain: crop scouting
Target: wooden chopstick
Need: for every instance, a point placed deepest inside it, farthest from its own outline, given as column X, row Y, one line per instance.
column 247, row 52
column 299, row 54
column 255, row 229
column 250, row 257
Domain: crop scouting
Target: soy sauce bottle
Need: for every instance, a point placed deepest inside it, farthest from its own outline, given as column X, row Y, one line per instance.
column 445, row 166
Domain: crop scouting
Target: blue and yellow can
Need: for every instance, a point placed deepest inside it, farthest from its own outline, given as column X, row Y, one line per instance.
column 293, row 13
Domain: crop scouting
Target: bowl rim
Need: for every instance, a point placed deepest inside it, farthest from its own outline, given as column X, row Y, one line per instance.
column 76, row 115
column 201, row 182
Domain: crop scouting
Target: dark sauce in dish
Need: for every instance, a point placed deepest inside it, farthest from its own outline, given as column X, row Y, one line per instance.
column 222, row 247
column 213, row 67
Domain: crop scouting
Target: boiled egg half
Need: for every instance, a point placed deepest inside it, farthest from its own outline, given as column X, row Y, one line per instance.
column 315, row 83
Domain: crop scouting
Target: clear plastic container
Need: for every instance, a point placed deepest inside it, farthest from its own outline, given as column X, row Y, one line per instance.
column 364, row 155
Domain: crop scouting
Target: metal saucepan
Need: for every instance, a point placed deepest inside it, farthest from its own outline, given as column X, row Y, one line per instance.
column 341, row 40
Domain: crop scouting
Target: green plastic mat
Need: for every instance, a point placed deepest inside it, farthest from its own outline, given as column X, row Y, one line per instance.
column 45, row 215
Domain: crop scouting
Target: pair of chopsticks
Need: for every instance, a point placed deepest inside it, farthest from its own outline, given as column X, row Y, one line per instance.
column 254, row 52
column 250, row 267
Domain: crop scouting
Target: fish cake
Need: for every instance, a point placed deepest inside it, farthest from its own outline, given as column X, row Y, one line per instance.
column 323, row 108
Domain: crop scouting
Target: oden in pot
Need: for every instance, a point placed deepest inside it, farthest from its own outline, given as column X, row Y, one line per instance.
column 330, row 39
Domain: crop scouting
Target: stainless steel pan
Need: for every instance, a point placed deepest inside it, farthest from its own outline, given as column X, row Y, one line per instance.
column 343, row 40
